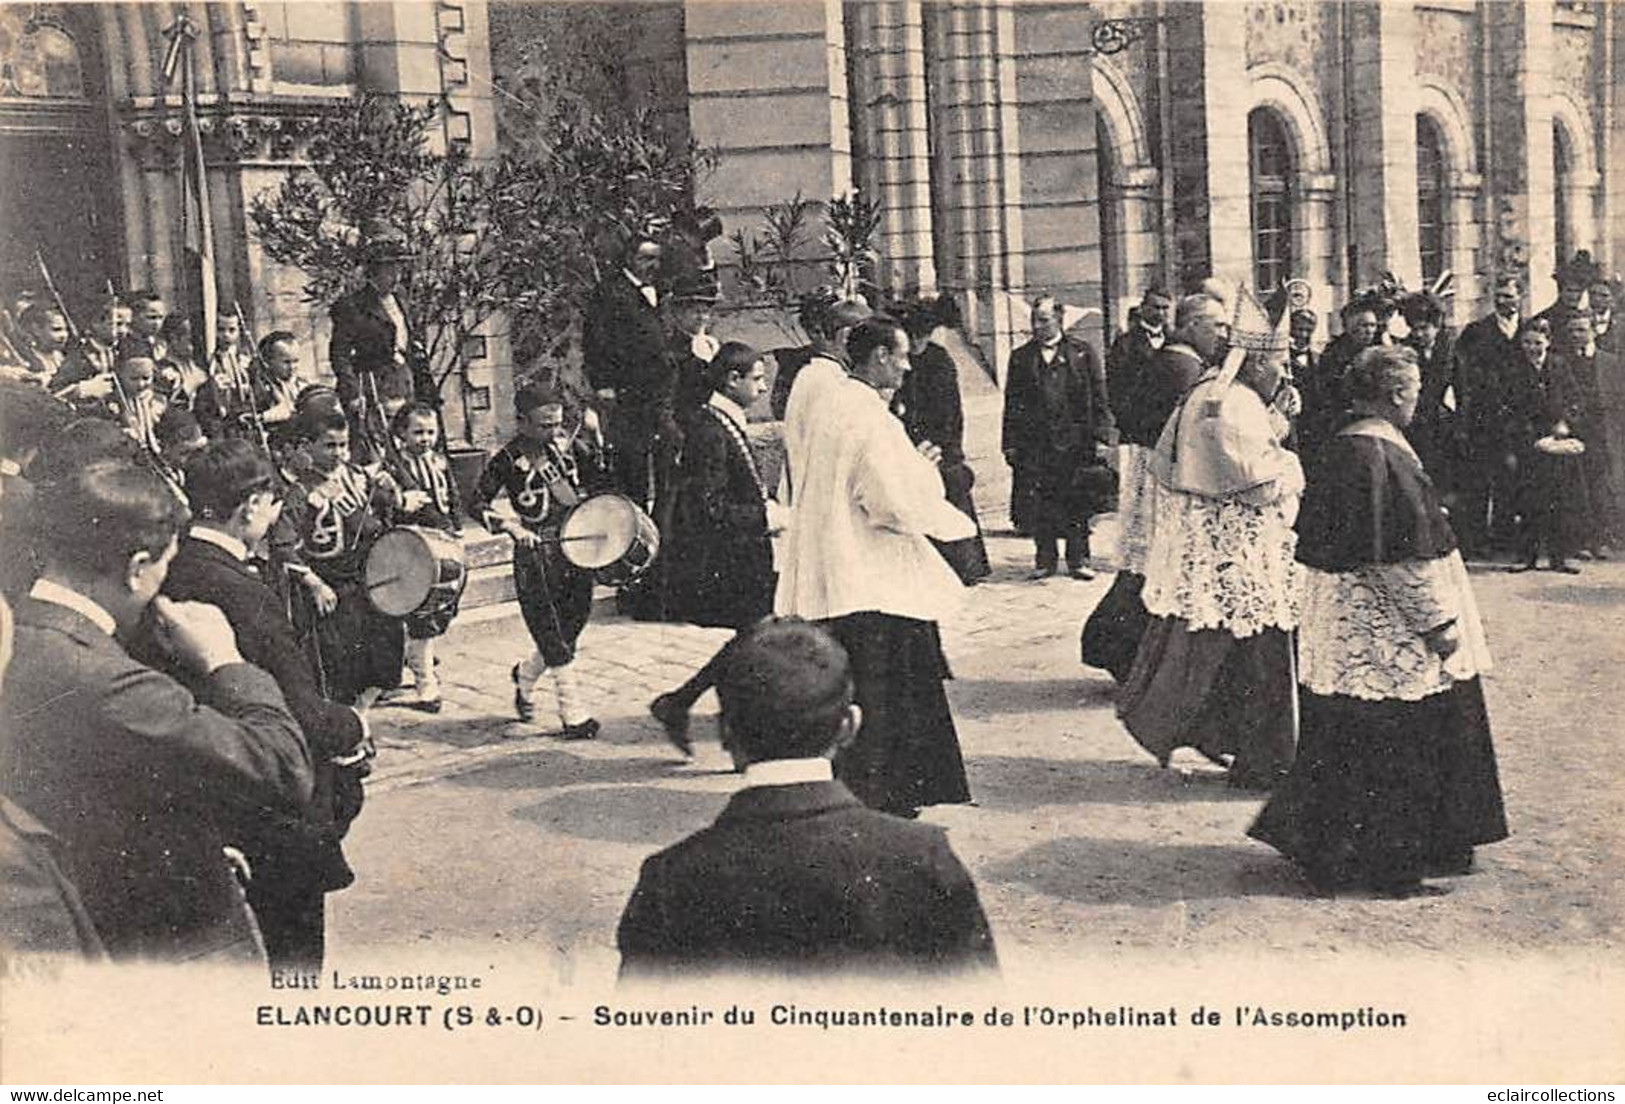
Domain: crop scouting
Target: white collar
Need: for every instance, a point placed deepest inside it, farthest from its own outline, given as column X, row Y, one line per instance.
column 788, row 772
column 1160, row 331
column 1381, row 428
column 1056, row 344
column 44, row 590
column 627, row 272
column 719, row 401
column 220, row 539
column 1508, row 325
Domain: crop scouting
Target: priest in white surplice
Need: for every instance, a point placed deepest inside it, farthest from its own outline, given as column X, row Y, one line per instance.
column 857, row 559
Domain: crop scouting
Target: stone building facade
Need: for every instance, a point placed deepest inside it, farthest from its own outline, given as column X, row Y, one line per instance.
column 1251, row 139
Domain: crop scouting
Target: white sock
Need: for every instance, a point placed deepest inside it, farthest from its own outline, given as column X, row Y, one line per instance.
column 531, row 669
column 572, row 710
column 420, row 658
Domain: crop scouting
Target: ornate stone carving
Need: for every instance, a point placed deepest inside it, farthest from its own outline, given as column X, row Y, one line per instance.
column 153, row 135
column 39, row 58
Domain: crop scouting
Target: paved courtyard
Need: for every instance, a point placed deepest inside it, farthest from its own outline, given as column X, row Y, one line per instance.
column 482, row 830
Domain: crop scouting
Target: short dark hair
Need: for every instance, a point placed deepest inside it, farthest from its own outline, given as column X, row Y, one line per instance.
column 319, row 422
column 406, row 413
column 272, row 338
column 222, row 476
column 29, row 417
column 533, row 395
column 82, row 442
column 735, row 358
column 35, row 314
column 144, row 295
column 1420, row 310
column 784, row 688
column 869, row 335
column 1536, row 325
column 1156, row 291
column 101, row 515
column 174, row 325
column 176, row 424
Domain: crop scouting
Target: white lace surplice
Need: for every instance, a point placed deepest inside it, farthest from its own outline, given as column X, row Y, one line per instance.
column 1224, row 563
column 1360, row 634
column 1136, row 509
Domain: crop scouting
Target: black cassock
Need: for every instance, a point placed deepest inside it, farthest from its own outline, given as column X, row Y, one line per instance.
column 721, row 567
column 1383, row 791
column 929, row 405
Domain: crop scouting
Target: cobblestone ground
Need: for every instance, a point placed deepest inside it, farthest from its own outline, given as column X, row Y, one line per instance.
column 482, row 830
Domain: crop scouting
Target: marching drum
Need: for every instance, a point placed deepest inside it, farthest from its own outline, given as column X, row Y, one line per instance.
column 610, row 536
column 413, row 570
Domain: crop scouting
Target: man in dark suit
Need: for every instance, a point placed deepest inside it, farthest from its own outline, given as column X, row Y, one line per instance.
column 133, row 774
column 623, row 344
column 796, row 874
column 1136, row 345
column 378, row 363
column 1058, row 430
column 1435, row 431
column 296, row 859
column 1488, row 362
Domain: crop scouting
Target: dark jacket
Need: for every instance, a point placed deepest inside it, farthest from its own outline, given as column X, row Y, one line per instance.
column 1057, row 408
column 364, row 342
column 131, row 773
column 1151, row 397
column 805, row 878
column 1487, row 363
column 301, row 846
column 1125, row 361
column 40, row 909
column 722, row 563
column 929, row 404
column 623, row 346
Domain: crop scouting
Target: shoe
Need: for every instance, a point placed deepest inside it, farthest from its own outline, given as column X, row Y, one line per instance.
column 1451, row 866
column 1563, row 567
column 586, row 730
column 425, row 705
column 1404, row 891
column 522, row 703
column 1042, row 572
column 1081, row 572
column 1520, row 568
column 673, row 719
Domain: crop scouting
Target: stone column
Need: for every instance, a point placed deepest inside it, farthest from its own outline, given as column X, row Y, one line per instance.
column 1383, row 105
column 888, row 84
column 1519, row 165
column 1612, row 158
column 767, row 90
column 1209, row 88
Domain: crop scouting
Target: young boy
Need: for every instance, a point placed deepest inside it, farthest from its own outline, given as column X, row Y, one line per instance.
column 179, row 438
column 87, row 373
column 430, row 500
column 545, row 471
column 346, row 507
column 135, row 403
column 224, row 402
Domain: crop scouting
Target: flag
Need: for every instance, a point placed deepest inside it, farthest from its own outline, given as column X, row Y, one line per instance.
column 197, row 225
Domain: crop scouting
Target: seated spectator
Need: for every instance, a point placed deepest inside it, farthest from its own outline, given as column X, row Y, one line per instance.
column 796, row 874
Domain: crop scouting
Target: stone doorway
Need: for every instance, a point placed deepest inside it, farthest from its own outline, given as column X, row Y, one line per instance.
column 56, row 168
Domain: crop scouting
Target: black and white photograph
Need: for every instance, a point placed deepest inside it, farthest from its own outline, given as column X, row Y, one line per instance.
column 812, row 541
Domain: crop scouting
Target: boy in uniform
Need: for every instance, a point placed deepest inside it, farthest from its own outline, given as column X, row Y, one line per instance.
column 345, row 509
column 545, row 471
column 429, row 500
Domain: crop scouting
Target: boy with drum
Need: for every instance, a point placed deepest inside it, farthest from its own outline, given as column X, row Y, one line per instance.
column 426, row 481
column 346, row 507
column 545, row 471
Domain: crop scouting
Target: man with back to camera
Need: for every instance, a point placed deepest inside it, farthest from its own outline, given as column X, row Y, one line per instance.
column 796, row 874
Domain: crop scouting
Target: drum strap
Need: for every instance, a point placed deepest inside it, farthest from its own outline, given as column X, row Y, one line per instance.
column 743, row 444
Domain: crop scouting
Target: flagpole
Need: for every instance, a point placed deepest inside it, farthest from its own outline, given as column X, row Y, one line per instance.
column 194, row 185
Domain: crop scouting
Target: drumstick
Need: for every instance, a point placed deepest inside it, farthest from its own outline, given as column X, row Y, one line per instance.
column 381, row 583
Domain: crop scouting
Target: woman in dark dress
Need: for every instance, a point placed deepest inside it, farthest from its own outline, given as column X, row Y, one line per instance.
column 1395, row 778
column 929, row 405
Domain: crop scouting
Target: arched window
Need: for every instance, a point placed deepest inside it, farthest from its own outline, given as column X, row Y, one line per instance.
column 1270, row 161
column 1562, row 180
column 1430, row 197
